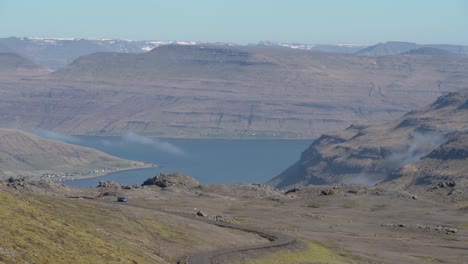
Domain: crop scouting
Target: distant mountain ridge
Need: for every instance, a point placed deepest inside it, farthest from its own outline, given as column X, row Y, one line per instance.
column 334, row 48
column 55, row 53
column 224, row 91
column 428, row 51
column 396, row 47
column 58, row 52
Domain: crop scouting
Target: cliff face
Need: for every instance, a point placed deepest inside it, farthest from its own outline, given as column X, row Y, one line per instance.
column 212, row 91
column 371, row 154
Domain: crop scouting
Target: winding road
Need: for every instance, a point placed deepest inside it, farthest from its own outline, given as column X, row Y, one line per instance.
column 277, row 240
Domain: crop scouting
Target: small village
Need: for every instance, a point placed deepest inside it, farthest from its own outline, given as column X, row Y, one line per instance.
column 88, row 173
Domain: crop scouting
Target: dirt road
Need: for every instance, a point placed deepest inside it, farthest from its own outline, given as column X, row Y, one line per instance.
column 277, row 240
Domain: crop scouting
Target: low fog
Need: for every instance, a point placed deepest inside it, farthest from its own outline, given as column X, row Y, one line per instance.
column 153, row 142
column 421, row 145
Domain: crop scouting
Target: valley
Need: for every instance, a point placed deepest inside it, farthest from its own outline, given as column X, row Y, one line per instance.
column 388, row 186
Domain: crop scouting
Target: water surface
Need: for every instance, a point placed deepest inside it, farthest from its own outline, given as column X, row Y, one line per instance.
column 209, row 161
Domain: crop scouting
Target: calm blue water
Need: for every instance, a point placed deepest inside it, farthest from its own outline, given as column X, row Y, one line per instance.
column 209, row 161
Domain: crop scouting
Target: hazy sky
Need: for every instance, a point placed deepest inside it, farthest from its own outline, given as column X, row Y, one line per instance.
column 241, row 21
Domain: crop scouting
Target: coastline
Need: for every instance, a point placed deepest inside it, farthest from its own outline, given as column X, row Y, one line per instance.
column 102, row 174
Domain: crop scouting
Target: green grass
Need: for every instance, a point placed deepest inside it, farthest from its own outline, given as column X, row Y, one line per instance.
column 165, row 232
column 33, row 232
column 142, row 233
column 314, row 253
column 429, row 259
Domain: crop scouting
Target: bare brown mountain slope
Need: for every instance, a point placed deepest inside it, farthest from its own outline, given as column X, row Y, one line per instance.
column 12, row 64
column 24, row 154
column 445, row 167
column 370, row 154
column 228, row 92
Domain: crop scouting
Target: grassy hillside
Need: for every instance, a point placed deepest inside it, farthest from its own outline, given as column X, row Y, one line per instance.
column 24, row 154
column 33, row 232
column 45, row 222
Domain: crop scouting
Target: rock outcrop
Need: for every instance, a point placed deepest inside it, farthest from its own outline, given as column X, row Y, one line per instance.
column 169, row 180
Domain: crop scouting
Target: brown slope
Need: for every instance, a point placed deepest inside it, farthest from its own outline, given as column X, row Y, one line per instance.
column 369, row 154
column 229, row 92
column 24, row 154
column 446, row 166
column 12, row 64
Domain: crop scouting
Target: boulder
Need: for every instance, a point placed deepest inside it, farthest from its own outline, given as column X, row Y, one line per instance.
column 202, row 214
column 327, row 192
column 292, row 190
column 109, row 184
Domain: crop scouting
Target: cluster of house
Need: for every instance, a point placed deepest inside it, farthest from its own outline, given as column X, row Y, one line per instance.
column 91, row 172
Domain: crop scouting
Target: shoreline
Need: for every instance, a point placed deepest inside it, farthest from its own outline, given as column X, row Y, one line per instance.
column 201, row 138
column 102, row 174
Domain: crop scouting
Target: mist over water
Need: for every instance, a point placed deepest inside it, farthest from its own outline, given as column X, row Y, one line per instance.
column 153, row 142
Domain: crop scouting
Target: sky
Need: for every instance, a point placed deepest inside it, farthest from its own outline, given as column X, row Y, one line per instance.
column 241, row 21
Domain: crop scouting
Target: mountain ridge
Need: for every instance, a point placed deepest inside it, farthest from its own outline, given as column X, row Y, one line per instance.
column 370, row 154
column 399, row 47
column 56, row 53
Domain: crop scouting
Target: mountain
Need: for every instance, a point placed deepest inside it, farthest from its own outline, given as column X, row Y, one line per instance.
column 24, row 154
column 395, row 47
column 369, row 154
column 209, row 91
column 388, row 48
column 428, row 51
column 444, row 167
column 334, row 48
column 5, row 49
column 58, row 52
column 12, row 64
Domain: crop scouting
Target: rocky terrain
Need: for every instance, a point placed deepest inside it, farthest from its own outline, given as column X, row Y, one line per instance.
column 209, row 91
column 174, row 218
column 426, row 147
column 24, row 154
